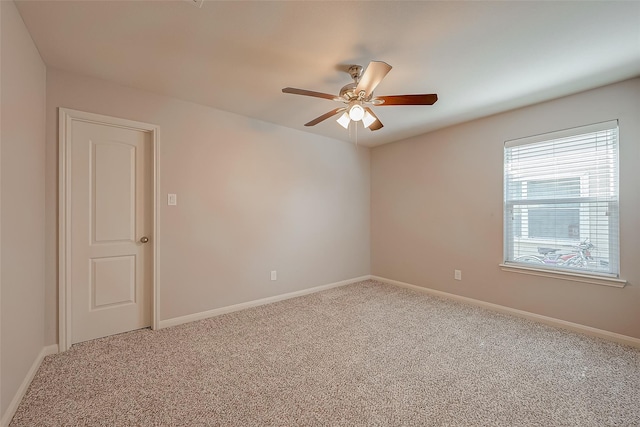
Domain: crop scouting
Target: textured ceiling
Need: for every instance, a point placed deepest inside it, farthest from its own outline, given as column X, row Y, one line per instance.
column 480, row 57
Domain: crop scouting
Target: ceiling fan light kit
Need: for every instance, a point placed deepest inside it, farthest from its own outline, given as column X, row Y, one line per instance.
column 356, row 113
column 358, row 96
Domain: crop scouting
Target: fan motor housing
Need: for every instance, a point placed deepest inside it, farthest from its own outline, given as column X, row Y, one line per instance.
column 348, row 91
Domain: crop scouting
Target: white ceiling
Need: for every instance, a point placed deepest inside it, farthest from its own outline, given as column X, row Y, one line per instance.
column 480, row 57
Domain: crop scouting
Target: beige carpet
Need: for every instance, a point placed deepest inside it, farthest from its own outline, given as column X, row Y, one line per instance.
column 366, row 354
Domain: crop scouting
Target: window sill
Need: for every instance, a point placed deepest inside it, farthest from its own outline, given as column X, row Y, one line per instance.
column 565, row 275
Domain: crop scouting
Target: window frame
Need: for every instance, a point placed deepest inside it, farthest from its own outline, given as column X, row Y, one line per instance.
column 610, row 278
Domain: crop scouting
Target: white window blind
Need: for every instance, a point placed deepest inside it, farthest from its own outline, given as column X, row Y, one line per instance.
column 561, row 200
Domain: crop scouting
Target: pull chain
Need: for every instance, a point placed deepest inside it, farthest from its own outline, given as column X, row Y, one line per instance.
column 353, row 125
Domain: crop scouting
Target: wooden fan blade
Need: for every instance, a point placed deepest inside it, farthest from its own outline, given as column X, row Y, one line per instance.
column 377, row 124
column 295, row 91
column 422, row 99
column 372, row 76
column 325, row 116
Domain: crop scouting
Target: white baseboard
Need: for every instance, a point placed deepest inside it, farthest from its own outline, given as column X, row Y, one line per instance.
column 575, row 327
column 22, row 390
column 236, row 307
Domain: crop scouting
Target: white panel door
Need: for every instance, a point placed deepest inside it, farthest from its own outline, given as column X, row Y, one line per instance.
column 111, row 224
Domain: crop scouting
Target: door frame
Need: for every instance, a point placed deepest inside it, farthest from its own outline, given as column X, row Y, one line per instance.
column 65, row 119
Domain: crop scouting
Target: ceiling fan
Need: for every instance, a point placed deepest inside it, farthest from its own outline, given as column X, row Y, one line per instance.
column 358, row 97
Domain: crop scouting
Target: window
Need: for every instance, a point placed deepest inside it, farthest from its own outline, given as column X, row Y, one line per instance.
column 560, row 221
column 561, row 200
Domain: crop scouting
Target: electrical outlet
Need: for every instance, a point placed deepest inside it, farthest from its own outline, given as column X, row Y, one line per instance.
column 274, row 275
column 457, row 274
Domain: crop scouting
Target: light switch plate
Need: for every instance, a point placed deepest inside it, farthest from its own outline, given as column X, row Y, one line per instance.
column 172, row 199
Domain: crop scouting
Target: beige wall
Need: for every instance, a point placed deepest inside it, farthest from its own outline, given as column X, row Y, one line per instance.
column 23, row 78
column 252, row 197
column 436, row 206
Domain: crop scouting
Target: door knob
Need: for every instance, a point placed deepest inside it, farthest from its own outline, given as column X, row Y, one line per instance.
column 144, row 239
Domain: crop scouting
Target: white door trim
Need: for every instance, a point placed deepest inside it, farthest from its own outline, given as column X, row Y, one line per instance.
column 65, row 118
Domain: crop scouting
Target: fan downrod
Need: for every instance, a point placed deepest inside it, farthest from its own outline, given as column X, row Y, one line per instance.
column 355, row 71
